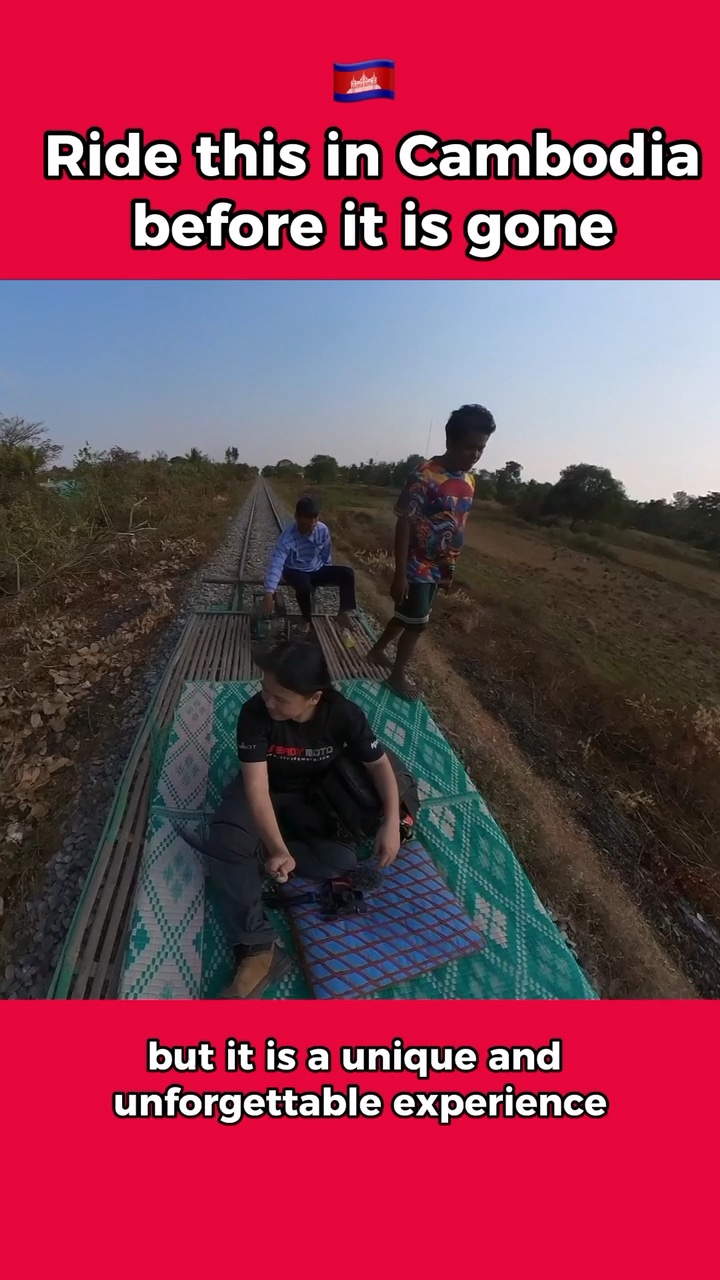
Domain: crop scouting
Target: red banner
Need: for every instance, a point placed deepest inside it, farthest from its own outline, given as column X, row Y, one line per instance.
column 618, row 116
column 407, row 1170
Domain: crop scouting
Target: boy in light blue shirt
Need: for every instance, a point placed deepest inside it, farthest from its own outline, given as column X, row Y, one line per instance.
column 302, row 559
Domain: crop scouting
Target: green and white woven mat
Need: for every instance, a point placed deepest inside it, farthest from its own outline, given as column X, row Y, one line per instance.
column 177, row 948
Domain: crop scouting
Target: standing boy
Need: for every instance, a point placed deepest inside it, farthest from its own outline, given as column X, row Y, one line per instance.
column 432, row 510
column 302, row 558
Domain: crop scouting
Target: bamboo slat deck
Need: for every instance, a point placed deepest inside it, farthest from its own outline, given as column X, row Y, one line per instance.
column 214, row 646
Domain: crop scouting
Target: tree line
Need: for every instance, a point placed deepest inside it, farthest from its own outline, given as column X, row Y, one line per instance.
column 28, row 460
column 324, row 469
column 583, row 495
column 63, row 525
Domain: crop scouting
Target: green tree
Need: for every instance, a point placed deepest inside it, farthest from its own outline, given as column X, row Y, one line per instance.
column 18, row 433
column 586, row 492
column 323, row 469
column 402, row 471
column 286, row 469
column 196, row 458
column 704, row 514
column 86, row 458
column 18, row 470
column 507, row 482
column 656, row 516
column 122, row 457
column 531, row 503
column 231, row 456
column 682, row 500
column 485, row 484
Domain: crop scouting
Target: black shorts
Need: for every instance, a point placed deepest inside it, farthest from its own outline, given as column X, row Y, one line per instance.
column 416, row 605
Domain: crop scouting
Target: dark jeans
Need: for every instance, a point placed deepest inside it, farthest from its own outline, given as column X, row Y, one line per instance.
column 332, row 575
column 235, row 858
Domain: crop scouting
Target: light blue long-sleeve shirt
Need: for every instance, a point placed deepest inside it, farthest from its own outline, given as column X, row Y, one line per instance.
column 307, row 552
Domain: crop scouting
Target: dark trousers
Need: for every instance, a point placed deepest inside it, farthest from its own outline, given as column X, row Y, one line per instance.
column 332, row 575
column 235, row 858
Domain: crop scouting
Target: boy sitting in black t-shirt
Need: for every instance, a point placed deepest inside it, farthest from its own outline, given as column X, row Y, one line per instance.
column 289, row 737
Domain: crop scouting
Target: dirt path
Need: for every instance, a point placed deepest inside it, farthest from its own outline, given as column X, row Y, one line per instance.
column 614, row 943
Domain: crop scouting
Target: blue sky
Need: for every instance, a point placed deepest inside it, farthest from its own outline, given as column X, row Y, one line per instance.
column 622, row 374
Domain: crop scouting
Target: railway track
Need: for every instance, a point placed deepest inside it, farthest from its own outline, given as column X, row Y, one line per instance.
column 215, row 645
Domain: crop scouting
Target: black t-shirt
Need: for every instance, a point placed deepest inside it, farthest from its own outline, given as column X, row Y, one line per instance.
column 299, row 754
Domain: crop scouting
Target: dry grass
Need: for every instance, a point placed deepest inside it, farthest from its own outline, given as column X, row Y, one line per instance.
column 92, row 598
column 586, row 664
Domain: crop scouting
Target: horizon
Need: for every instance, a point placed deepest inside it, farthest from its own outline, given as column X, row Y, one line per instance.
column 618, row 374
column 320, row 485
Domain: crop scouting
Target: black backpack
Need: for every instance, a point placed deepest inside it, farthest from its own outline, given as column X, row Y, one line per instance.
column 348, row 792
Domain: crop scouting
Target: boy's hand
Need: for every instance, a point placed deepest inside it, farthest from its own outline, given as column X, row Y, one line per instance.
column 387, row 843
column 268, row 604
column 398, row 588
column 280, row 866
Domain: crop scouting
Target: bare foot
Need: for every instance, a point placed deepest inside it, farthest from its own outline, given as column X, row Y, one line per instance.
column 402, row 687
column 378, row 658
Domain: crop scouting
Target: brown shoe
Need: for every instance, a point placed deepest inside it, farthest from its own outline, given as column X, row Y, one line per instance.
column 258, row 969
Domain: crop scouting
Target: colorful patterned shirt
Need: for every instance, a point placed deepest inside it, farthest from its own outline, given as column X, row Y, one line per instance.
column 437, row 502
